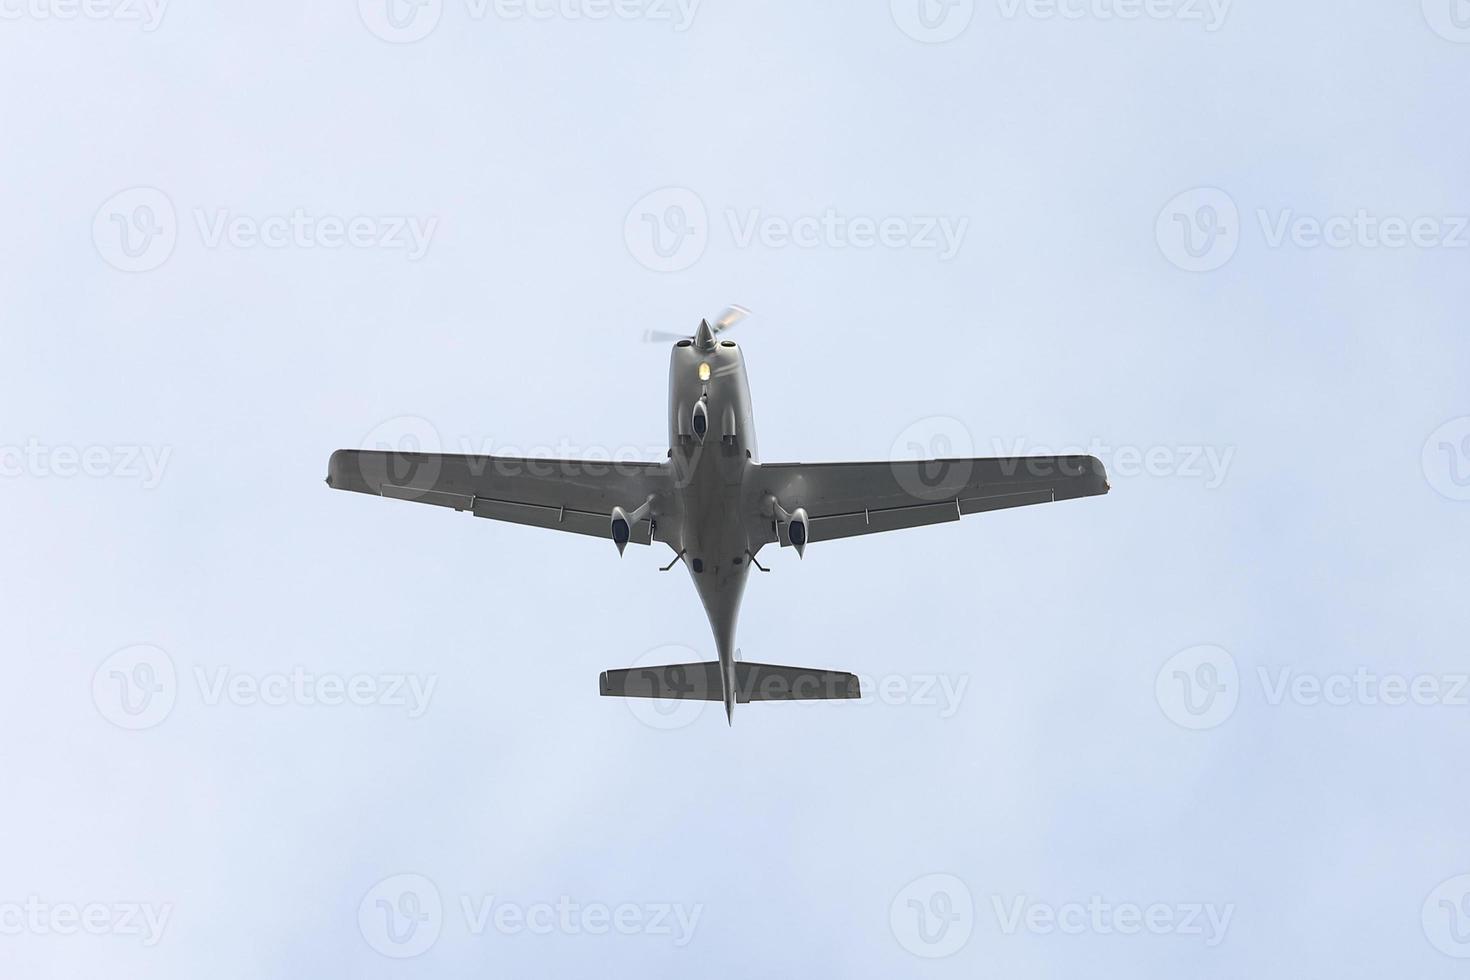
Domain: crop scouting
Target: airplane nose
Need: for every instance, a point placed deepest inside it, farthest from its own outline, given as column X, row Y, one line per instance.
column 704, row 337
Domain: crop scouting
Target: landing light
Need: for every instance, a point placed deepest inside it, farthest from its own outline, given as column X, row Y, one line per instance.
column 704, row 370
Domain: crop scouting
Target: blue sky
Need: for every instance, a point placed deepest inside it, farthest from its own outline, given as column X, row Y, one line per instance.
column 1205, row 725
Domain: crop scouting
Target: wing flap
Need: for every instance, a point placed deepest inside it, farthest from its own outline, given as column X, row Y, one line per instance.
column 559, row 494
column 872, row 521
column 556, row 518
column 439, row 498
column 847, row 499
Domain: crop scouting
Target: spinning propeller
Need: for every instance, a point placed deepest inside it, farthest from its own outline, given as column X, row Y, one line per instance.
column 731, row 316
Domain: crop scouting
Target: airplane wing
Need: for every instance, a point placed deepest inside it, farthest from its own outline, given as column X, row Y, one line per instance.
column 560, row 494
column 846, row 499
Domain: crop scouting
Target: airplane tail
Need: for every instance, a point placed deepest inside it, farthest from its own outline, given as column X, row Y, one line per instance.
column 753, row 682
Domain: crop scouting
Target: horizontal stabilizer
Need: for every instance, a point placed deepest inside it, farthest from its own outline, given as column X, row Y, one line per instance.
column 769, row 682
column 753, row 682
column 692, row 682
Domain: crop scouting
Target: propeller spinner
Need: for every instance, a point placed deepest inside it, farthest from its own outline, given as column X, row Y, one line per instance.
column 704, row 336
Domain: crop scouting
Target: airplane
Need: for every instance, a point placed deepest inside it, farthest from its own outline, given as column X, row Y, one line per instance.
column 715, row 506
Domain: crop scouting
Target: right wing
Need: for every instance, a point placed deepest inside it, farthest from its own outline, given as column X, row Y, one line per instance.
column 846, row 499
column 559, row 494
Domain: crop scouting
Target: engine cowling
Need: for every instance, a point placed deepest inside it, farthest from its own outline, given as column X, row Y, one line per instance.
column 797, row 531
column 622, row 528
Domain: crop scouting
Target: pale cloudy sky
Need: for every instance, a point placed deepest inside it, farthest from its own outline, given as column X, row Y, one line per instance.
column 1209, row 725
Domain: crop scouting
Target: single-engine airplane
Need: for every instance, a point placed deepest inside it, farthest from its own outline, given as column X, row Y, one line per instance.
column 715, row 506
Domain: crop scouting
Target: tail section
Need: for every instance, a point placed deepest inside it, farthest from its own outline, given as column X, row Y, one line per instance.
column 745, row 682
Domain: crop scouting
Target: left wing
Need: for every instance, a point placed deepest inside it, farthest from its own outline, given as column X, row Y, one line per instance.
column 846, row 499
column 559, row 494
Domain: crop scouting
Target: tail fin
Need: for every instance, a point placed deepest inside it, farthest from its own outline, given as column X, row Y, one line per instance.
column 753, row 682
